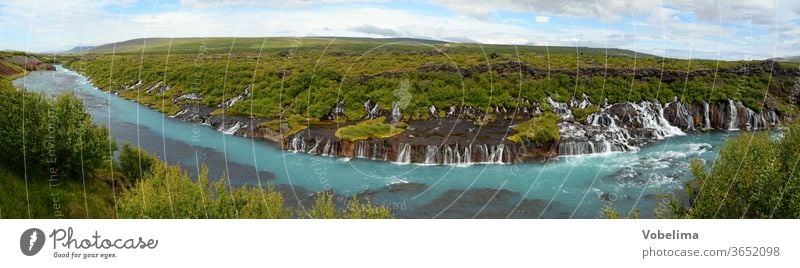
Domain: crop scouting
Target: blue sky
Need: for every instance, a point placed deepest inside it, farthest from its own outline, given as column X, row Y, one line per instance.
column 711, row 29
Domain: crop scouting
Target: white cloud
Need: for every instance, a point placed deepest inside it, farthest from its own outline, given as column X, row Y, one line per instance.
column 542, row 19
column 678, row 28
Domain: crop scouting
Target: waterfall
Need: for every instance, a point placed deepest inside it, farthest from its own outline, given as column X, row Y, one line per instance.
column 560, row 108
column 452, row 111
column 651, row 115
column 496, row 157
column 361, row 149
column 313, row 150
column 753, row 120
column 326, row 150
column 372, row 108
column 378, row 151
column 404, row 156
column 772, row 117
column 396, row 113
column 582, row 104
column 297, row 144
column 232, row 130
column 448, row 156
column 733, row 116
column 339, row 109
column 483, row 152
column 683, row 116
column 706, row 117
column 601, row 119
column 467, row 158
column 606, row 132
column 430, row 154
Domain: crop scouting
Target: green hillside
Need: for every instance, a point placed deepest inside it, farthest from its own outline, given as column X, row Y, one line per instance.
column 251, row 44
column 307, row 76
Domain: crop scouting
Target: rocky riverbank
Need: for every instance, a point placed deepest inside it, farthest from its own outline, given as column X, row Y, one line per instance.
column 457, row 138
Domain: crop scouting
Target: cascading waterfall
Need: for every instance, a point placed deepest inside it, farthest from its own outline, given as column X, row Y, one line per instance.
column 616, row 127
column 607, row 133
column 651, row 115
column 560, row 108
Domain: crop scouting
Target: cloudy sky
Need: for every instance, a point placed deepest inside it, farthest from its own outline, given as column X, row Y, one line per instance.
column 711, row 29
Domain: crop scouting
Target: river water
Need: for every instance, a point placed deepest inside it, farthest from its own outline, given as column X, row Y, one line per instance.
column 562, row 187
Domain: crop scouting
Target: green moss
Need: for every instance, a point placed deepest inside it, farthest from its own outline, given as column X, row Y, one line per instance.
column 374, row 128
column 540, row 130
column 581, row 114
column 274, row 125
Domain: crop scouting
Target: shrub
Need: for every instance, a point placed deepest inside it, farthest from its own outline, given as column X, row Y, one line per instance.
column 53, row 136
column 755, row 176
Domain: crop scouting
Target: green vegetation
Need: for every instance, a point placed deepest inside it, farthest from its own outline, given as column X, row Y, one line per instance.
column 54, row 138
column 612, row 214
column 541, row 130
column 168, row 192
column 8, row 69
column 134, row 162
column 60, row 168
column 373, row 128
column 755, row 176
column 307, row 76
column 582, row 114
column 63, row 169
column 46, row 198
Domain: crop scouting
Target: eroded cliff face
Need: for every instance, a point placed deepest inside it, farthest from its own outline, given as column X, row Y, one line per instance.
column 30, row 63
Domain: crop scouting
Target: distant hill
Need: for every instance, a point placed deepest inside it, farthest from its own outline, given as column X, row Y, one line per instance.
column 78, row 49
column 353, row 44
column 788, row 59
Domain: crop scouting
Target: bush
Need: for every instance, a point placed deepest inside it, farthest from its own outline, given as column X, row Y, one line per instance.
column 169, row 192
column 54, row 137
column 582, row 114
column 755, row 176
column 135, row 163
